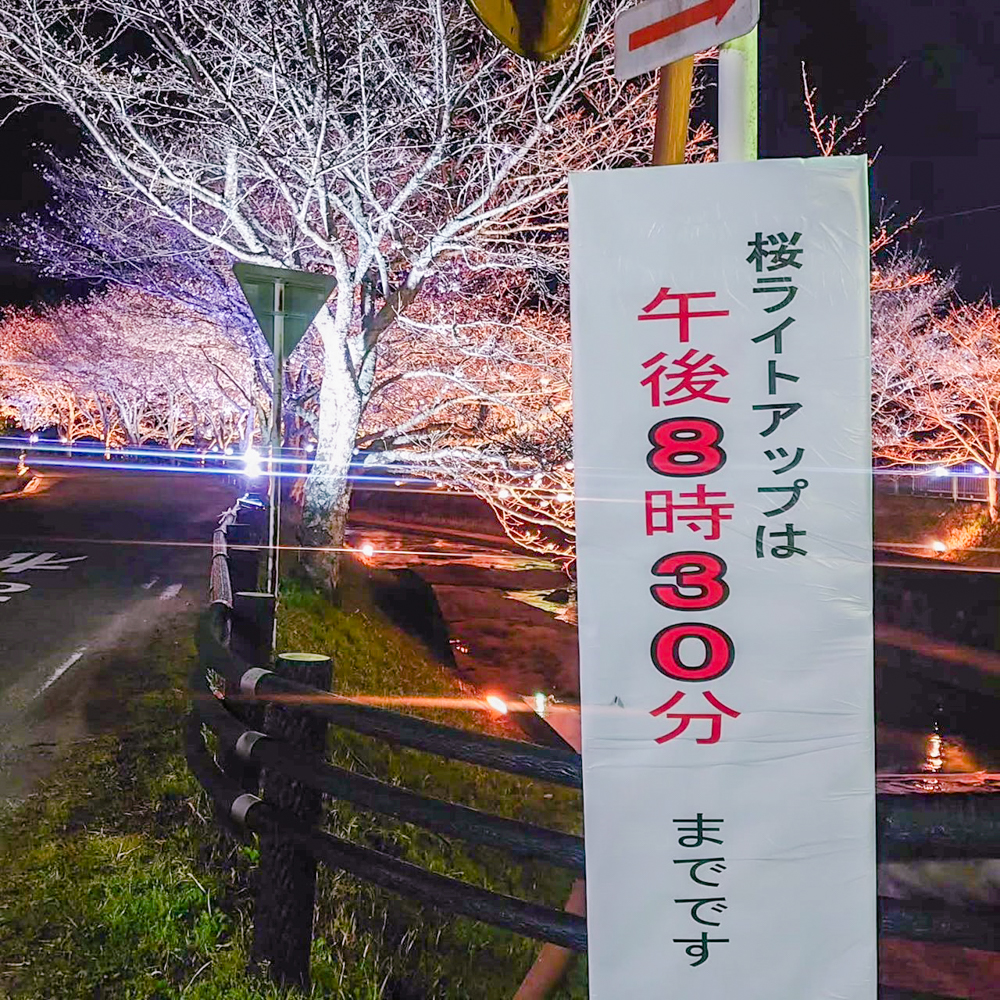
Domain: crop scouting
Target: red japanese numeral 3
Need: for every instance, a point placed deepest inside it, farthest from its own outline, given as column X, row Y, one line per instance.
column 717, row 658
column 690, row 570
column 686, row 446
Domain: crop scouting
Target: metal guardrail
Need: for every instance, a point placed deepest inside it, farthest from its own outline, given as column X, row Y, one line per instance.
column 234, row 639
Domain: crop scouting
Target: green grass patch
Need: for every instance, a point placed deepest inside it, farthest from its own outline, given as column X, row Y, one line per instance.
column 962, row 527
column 426, row 953
column 116, row 881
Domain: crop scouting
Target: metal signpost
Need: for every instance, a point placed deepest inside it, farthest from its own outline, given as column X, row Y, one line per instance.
column 284, row 303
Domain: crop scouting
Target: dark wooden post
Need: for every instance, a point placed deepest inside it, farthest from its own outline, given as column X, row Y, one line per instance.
column 286, row 877
column 249, row 640
column 244, row 563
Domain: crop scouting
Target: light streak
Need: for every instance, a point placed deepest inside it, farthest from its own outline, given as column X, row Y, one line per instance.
column 497, row 704
column 346, row 549
column 390, row 701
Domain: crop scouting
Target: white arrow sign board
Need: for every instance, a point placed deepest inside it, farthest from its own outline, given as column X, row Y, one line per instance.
column 658, row 32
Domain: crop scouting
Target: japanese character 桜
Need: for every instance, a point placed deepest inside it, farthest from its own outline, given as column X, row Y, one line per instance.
column 785, row 551
column 784, row 252
column 695, row 378
column 685, row 719
column 779, row 412
column 779, row 285
column 718, row 866
column 697, row 904
column 781, row 453
column 662, row 510
column 697, row 948
column 795, row 490
column 776, row 333
column 684, row 315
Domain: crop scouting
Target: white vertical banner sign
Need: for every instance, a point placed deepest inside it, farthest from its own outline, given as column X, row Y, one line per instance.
column 722, row 446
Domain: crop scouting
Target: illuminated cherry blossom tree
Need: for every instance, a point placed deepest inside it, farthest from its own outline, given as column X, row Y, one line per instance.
column 126, row 368
column 936, row 374
column 382, row 142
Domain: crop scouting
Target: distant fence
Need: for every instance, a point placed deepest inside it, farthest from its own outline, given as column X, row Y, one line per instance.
column 235, row 678
column 960, row 482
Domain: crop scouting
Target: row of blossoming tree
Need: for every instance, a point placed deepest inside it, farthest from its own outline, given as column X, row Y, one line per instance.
column 397, row 147
column 125, row 369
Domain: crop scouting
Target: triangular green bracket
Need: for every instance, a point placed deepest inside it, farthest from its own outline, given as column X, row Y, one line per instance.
column 295, row 295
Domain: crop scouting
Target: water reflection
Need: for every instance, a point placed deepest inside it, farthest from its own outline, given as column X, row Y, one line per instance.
column 948, row 764
column 935, row 759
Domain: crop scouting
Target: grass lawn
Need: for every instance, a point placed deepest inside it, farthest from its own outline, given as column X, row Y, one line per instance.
column 115, row 880
column 962, row 527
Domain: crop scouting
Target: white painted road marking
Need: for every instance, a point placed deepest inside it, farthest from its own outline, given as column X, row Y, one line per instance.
column 172, row 591
column 61, row 669
column 18, row 562
column 9, row 587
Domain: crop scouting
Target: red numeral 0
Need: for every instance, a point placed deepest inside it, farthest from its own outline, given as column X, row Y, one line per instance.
column 690, row 569
column 686, row 446
column 718, row 658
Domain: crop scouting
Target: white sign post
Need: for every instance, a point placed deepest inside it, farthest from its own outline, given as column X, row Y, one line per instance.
column 722, row 449
column 657, row 32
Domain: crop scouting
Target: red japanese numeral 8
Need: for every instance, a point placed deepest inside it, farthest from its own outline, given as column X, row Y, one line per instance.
column 690, row 570
column 717, row 657
column 686, row 446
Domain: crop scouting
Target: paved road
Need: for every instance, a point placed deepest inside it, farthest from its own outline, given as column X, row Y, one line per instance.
column 87, row 560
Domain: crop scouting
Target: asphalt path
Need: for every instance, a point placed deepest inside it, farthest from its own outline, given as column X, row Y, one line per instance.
column 90, row 559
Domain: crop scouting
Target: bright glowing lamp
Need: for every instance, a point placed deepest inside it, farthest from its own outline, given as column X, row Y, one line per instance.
column 368, row 550
column 497, row 704
column 939, row 546
column 251, row 464
column 940, row 471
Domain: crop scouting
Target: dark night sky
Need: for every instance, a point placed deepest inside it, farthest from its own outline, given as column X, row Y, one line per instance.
column 938, row 124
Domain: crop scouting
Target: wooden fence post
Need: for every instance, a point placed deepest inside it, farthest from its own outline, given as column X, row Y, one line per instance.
column 244, row 564
column 250, row 640
column 286, row 877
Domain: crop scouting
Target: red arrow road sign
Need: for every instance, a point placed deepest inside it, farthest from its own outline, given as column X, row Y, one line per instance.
column 685, row 19
column 653, row 33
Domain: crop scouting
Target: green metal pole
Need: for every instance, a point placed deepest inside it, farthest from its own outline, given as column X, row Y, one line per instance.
column 738, row 122
column 274, row 451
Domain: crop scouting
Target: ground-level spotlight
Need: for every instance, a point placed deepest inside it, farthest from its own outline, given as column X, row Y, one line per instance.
column 939, row 546
column 33, row 439
column 541, row 703
column 367, row 550
column 497, row 704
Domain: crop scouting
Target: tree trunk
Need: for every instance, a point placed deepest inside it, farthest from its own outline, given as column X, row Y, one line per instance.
column 328, row 490
column 991, row 475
